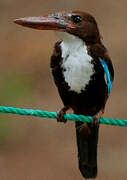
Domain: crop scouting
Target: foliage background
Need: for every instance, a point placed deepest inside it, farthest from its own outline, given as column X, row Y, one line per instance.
column 33, row 148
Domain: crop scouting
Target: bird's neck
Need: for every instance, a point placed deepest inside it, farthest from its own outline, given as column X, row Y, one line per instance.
column 70, row 41
column 71, row 45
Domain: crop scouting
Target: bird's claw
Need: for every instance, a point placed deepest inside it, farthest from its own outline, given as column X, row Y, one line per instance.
column 60, row 117
column 96, row 118
column 61, row 113
column 96, row 121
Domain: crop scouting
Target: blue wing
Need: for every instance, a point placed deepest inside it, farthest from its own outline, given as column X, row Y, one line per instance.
column 108, row 75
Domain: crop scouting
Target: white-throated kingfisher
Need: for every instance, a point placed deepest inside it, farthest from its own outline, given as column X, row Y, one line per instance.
column 83, row 73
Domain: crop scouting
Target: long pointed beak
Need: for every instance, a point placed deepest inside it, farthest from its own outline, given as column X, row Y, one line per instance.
column 46, row 22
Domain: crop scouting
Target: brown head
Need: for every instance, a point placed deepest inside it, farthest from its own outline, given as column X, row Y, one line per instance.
column 77, row 23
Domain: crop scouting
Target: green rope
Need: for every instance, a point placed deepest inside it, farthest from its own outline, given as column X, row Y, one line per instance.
column 71, row 117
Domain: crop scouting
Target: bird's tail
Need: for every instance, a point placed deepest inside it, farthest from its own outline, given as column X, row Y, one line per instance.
column 87, row 140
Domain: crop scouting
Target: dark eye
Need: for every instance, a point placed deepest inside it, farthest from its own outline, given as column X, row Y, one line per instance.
column 76, row 19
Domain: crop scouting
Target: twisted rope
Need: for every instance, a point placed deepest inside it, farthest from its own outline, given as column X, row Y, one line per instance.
column 53, row 115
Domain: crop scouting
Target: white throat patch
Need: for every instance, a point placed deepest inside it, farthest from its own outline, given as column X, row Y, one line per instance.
column 76, row 62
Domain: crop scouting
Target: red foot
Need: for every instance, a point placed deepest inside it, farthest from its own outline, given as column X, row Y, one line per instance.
column 61, row 113
column 96, row 118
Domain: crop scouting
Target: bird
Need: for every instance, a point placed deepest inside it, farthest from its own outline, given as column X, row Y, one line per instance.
column 83, row 74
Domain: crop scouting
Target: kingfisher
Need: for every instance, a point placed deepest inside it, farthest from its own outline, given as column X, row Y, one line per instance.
column 83, row 73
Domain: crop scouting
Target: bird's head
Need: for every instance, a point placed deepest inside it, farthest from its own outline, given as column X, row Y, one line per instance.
column 76, row 23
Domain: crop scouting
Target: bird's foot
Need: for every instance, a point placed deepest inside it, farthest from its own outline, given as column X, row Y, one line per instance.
column 96, row 121
column 96, row 118
column 61, row 113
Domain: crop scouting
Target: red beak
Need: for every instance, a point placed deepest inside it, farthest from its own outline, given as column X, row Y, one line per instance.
column 48, row 22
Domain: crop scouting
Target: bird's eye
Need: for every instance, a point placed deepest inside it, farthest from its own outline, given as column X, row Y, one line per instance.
column 76, row 19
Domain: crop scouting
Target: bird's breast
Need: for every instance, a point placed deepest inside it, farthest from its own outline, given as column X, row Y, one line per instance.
column 77, row 65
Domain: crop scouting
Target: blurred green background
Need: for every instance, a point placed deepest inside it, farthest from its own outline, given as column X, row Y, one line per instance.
column 33, row 148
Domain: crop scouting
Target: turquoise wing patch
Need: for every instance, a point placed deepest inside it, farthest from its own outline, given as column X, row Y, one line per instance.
column 108, row 76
